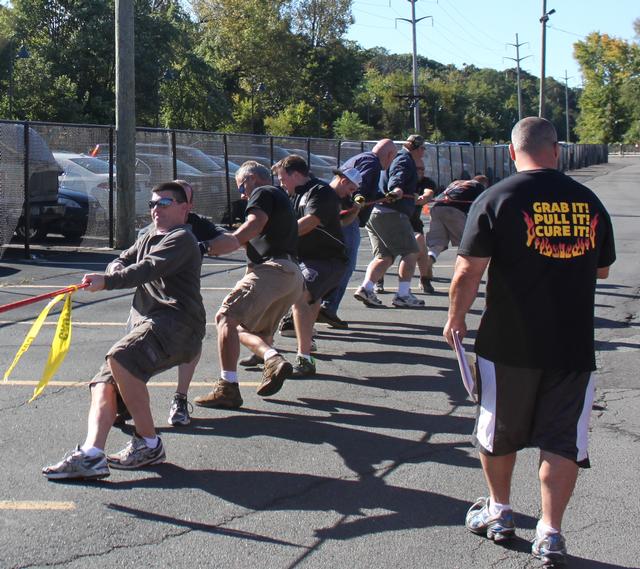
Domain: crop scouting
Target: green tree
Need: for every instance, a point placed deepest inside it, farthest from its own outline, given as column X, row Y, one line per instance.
column 349, row 127
column 610, row 70
column 299, row 119
column 249, row 42
column 321, row 22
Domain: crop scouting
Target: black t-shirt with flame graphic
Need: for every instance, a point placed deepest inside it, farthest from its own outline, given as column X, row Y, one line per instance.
column 546, row 235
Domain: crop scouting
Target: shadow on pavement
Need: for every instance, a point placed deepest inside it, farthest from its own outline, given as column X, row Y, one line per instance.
column 283, row 491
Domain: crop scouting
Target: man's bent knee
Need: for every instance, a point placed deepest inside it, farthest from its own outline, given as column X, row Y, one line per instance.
column 102, row 391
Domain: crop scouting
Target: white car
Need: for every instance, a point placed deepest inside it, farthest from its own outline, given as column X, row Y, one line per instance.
column 84, row 174
column 90, row 175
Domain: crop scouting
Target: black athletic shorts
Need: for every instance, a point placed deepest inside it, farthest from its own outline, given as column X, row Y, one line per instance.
column 523, row 407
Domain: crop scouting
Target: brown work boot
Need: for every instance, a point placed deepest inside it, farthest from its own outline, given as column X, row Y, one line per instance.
column 224, row 395
column 276, row 370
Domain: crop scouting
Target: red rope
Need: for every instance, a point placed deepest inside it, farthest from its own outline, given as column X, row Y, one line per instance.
column 38, row 298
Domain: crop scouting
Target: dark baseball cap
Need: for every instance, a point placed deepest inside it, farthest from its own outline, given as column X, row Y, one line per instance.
column 415, row 141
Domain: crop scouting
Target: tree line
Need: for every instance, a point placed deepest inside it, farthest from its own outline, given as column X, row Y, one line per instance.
column 284, row 67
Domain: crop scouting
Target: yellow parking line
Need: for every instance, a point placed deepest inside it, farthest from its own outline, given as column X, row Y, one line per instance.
column 85, row 383
column 36, row 505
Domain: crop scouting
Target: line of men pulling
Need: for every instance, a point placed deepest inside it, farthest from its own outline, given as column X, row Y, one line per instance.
column 535, row 344
column 301, row 248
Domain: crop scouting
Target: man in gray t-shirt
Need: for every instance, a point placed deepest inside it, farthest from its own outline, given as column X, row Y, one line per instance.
column 167, row 328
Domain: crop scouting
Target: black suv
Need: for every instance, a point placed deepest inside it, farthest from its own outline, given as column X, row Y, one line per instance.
column 43, row 180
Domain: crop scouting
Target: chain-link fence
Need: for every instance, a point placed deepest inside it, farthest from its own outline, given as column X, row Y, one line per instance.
column 623, row 149
column 57, row 181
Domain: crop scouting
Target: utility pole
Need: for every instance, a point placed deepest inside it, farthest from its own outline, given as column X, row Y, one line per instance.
column 125, row 126
column 543, row 20
column 566, row 103
column 518, row 59
column 416, row 98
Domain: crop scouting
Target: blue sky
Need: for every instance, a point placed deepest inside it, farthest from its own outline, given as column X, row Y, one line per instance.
column 476, row 31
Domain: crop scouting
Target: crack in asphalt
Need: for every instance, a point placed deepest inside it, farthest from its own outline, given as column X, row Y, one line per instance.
column 108, row 551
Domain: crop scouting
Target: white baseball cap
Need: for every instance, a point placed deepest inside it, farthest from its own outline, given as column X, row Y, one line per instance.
column 351, row 174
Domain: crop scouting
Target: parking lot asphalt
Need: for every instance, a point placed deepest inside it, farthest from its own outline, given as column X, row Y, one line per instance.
column 368, row 464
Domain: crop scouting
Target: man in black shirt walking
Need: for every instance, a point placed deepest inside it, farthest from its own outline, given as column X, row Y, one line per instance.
column 546, row 239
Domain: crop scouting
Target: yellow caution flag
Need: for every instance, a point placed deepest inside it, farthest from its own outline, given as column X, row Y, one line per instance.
column 59, row 346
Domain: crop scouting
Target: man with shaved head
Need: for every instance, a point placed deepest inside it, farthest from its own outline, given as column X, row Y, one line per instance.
column 546, row 239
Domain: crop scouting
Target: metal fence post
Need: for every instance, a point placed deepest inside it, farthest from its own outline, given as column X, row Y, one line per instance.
column 27, row 200
column 226, row 171
column 475, row 167
column 174, row 157
column 111, row 208
column 438, row 165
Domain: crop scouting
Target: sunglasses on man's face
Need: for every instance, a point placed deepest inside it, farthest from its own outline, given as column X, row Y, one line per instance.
column 162, row 202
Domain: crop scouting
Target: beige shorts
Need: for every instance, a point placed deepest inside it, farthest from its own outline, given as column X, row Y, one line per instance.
column 264, row 295
column 391, row 235
column 447, row 225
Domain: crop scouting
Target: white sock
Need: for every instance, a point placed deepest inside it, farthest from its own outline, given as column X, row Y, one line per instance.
column 152, row 442
column 230, row 376
column 305, row 356
column 367, row 285
column 270, row 353
column 404, row 288
column 91, row 451
column 495, row 508
column 543, row 529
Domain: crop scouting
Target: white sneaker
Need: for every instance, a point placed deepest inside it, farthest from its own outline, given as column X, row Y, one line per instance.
column 369, row 298
column 77, row 465
column 408, row 301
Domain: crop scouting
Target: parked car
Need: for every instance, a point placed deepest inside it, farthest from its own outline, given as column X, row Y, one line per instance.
column 42, row 181
column 82, row 212
column 209, row 189
column 192, row 156
column 219, row 160
column 86, row 174
column 318, row 166
column 330, row 160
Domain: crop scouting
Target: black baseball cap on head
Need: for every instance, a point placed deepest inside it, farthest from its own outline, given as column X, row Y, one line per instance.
column 415, row 141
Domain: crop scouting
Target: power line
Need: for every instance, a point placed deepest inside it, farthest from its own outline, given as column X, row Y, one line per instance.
column 474, row 25
column 469, row 34
column 565, row 31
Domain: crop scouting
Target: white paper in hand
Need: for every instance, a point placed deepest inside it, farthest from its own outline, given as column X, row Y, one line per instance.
column 465, row 370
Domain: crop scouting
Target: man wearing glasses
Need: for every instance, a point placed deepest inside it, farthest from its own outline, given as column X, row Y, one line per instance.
column 213, row 240
column 250, row 313
column 167, row 327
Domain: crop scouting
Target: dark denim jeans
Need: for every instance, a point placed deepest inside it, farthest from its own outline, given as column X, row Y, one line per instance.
column 351, row 233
